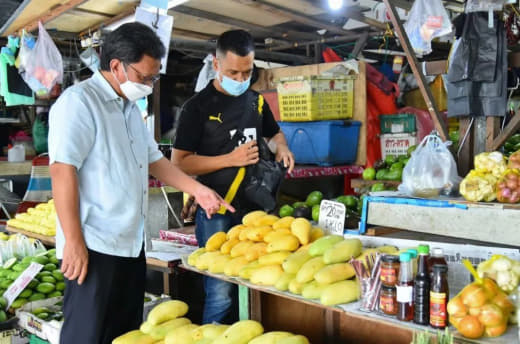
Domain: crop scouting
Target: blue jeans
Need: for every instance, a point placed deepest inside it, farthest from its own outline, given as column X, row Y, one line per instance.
column 221, row 297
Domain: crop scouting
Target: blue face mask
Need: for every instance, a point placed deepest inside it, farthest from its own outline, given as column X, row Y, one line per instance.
column 233, row 87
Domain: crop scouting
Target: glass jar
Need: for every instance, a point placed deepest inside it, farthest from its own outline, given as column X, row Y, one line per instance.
column 388, row 300
column 389, row 270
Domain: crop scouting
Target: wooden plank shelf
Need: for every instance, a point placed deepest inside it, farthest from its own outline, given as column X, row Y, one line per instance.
column 45, row 239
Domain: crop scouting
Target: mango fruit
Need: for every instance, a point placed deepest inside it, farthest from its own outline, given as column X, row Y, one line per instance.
column 134, row 337
column 299, row 339
column 387, row 249
column 267, row 220
column 247, row 270
column 250, row 218
column 208, row 331
column 343, row 251
column 301, row 228
column 240, row 333
column 284, row 222
column 277, row 234
column 283, row 282
column 275, row 258
column 340, row 292
column 228, row 245
column 307, row 271
column 234, row 265
column 167, row 310
column 202, row 263
column 334, row 273
column 313, row 290
column 215, row 241
column 316, row 233
column 365, row 254
column 160, row 331
column 217, row 265
column 234, row 232
column 321, row 245
column 181, row 335
column 270, row 337
column 146, row 327
column 242, row 236
column 241, row 248
column 284, row 243
column 255, row 251
column 294, row 262
column 258, row 233
column 296, row 287
column 266, row 275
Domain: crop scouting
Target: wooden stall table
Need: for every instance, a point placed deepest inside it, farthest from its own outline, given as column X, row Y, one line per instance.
column 282, row 311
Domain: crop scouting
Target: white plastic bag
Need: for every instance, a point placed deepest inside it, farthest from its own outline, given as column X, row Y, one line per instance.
column 206, row 74
column 44, row 68
column 428, row 19
column 431, row 169
column 26, row 45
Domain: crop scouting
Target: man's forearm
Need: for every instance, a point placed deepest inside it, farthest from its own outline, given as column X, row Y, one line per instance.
column 199, row 164
column 170, row 174
column 66, row 200
column 279, row 139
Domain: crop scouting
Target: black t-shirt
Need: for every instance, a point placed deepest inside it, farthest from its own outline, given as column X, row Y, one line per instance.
column 209, row 120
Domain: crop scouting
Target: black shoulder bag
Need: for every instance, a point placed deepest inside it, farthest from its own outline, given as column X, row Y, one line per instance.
column 263, row 179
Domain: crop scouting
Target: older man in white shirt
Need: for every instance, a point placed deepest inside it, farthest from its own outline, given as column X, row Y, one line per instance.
column 101, row 155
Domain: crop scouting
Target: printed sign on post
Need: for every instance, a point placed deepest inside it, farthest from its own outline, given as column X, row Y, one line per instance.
column 21, row 282
column 332, row 217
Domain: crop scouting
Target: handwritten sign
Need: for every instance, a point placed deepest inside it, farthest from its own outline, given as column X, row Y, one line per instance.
column 21, row 282
column 332, row 217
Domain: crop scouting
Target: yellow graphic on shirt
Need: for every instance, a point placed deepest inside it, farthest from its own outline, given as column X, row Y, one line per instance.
column 260, row 104
column 216, row 118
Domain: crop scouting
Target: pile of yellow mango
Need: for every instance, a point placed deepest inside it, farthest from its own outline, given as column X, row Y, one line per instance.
column 166, row 324
column 288, row 254
column 40, row 219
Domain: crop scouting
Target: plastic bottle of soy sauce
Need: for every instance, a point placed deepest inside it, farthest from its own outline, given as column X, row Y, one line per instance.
column 439, row 296
column 405, row 289
column 421, row 289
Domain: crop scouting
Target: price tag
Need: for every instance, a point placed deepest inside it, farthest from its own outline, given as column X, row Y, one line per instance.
column 21, row 282
column 332, row 217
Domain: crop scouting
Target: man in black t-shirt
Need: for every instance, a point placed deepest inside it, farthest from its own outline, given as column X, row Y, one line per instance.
column 204, row 148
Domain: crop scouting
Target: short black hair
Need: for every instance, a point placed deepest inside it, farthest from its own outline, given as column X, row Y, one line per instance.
column 239, row 42
column 129, row 43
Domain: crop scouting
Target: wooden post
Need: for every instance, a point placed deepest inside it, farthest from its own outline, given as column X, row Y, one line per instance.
column 510, row 129
column 465, row 157
column 492, row 131
column 421, row 81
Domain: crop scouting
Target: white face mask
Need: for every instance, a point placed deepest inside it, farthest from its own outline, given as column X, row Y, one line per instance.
column 133, row 90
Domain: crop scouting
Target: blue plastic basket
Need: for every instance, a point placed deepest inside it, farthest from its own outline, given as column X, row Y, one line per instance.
column 323, row 143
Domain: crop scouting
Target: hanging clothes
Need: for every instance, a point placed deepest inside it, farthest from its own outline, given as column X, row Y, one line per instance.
column 477, row 72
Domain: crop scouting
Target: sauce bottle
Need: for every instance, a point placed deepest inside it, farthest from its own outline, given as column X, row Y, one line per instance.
column 421, row 288
column 439, row 296
column 436, row 257
column 405, row 289
column 413, row 255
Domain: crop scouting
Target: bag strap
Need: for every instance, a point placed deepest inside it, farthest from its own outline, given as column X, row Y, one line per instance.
column 239, row 134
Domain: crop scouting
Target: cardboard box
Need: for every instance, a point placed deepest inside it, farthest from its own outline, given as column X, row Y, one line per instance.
column 47, row 330
column 396, row 144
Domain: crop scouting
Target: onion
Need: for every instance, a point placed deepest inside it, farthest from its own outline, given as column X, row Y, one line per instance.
column 511, row 176
column 501, row 185
column 496, row 330
column 512, row 184
column 471, row 327
column 505, row 193
column 491, row 315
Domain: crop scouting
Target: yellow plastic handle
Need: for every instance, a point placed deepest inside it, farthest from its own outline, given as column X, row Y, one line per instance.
column 472, row 270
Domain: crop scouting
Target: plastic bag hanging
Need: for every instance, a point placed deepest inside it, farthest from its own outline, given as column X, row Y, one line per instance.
column 431, row 170
column 428, row 19
column 44, row 68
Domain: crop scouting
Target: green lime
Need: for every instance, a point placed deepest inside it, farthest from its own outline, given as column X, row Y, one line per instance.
column 316, row 213
column 299, row 204
column 314, row 198
column 390, row 159
column 286, row 210
column 394, row 175
column 349, row 201
column 369, row 173
column 380, row 175
column 397, row 166
column 377, row 187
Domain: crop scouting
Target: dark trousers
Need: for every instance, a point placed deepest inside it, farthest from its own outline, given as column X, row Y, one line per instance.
column 108, row 303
